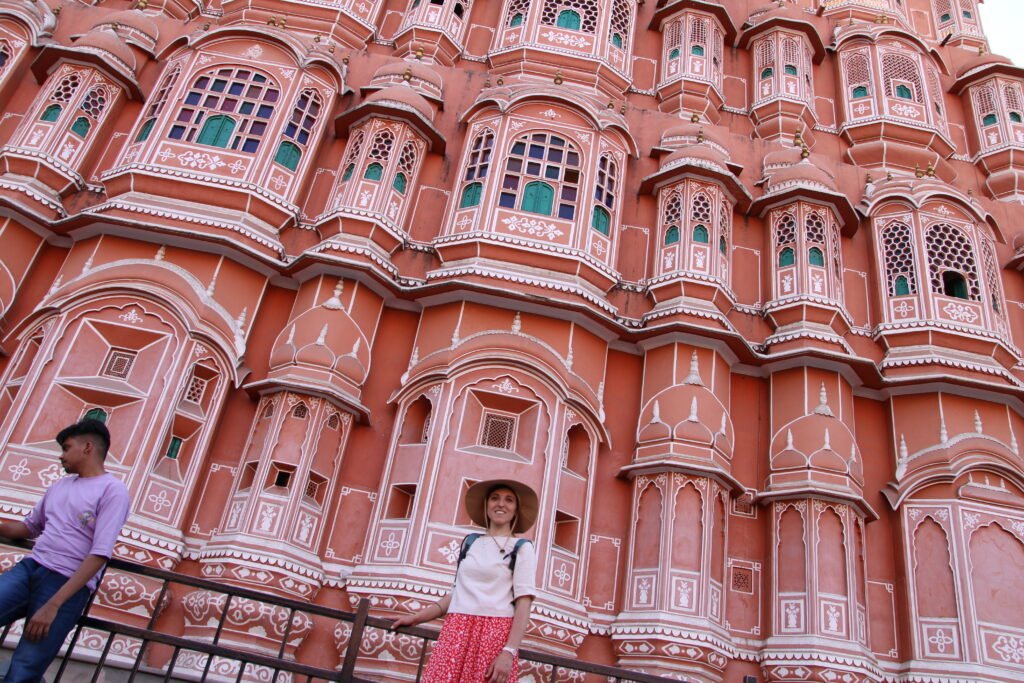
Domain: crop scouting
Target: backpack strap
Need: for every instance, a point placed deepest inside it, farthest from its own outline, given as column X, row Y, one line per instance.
column 466, row 543
column 515, row 553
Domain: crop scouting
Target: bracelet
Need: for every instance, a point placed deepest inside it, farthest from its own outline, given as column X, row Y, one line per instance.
column 514, row 651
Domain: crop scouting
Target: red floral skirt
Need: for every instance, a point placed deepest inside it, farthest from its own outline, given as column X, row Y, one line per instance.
column 466, row 647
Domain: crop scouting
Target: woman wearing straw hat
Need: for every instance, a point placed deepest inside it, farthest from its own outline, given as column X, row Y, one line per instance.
column 488, row 607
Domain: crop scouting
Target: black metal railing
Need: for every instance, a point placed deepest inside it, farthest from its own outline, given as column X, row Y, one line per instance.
column 138, row 641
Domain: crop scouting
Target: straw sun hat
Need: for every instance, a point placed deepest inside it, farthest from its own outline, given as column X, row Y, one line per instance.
column 526, row 510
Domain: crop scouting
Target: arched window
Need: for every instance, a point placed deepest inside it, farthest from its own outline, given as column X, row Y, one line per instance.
column 299, row 128
column 622, row 21
column 857, row 71
column 379, row 154
column 349, row 170
column 51, row 113
column 898, row 250
column 989, row 120
column 569, row 19
column 601, row 221
column 672, row 235
column 859, row 92
column 544, row 156
column 81, row 126
column 790, row 70
column 217, row 131
column 95, row 414
column 1015, row 117
column 767, row 73
column 538, row 197
column 516, row 20
column 517, row 11
column 787, row 257
column 157, row 103
column 673, row 53
column 697, row 50
column 617, row 40
column 241, row 92
column 471, row 195
column 288, row 155
column 723, row 246
column 374, row 172
column 355, row 148
column 902, row 76
column 459, row 10
column 400, row 183
column 816, row 257
column 954, row 284
column 951, row 259
column 700, row 234
column 605, row 188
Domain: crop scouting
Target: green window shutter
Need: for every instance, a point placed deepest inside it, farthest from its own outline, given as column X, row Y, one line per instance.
column 601, row 220
column 374, row 172
column 790, row 70
column 674, row 53
column 860, row 91
column 904, row 93
column 173, row 448
column 81, row 126
column 901, row 287
column 568, row 19
column 217, row 131
column 945, row 17
column 787, row 257
column 349, row 170
column 146, row 129
column 617, row 40
column 672, row 235
column 538, row 197
column 471, row 195
column 815, row 257
column 517, row 20
column 52, row 113
column 1015, row 117
column 767, row 73
column 700, row 234
column 722, row 246
column 288, row 155
column 697, row 50
column 400, row 183
column 96, row 414
column 989, row 120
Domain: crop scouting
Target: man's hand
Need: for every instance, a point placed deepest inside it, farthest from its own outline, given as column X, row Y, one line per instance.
column 38, row 625
column 499, row 669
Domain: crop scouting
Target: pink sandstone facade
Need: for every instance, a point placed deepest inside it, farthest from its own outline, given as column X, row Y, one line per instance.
column 734, row 286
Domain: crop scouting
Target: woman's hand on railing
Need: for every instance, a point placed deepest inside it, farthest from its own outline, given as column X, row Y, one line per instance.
column 405, row 620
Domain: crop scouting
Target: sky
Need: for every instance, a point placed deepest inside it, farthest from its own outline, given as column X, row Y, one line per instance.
column 1003, row 21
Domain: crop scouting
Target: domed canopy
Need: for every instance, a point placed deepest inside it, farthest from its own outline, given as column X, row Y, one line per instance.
column 397, row 101
column 416, row 74
column 784, row 15
column 101, row 47
column 984, row 65
column 134, row 27
column 694, row 154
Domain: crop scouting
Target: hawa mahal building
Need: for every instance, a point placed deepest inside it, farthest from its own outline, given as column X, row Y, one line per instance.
column 734, row 286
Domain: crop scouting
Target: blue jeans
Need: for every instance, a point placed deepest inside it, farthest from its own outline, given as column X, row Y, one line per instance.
column 24, row 589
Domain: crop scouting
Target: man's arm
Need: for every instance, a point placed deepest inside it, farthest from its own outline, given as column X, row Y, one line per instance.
column 38, row 624
column 15, row 530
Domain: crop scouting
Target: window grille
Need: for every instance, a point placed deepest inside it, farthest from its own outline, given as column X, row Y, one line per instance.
column 622, row 18
column 724, row 216
column 382, row 144
column 898, row 248
column 1012, row 97
column 944, row 11
column 497, row 431
column 66, row 88
column 229, row 107
column 672, row 218
column 407, row 160
column 158, row 102
column 268, row 412
column 700, row 208
column 814, row 229
column 698, row 31
column 790, row 52
column 300, row 411
column 196, row 390
column 517, row 12
column 743, row 580
column 605, row 190
column 333, row 422
column 935, row 91
column 480, row 156
column 949, row 249
column 355, row 148
column 765, row 55
column 548, row 157
column 674, row 35
column 586, row 10
column 858, row 73
column 300, row 127
column 899, row 70
column 984, row 103
column 118, row 363
column 992, row 281
column 785, row 230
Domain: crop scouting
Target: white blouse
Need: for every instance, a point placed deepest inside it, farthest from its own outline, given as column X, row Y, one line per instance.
column 484, row 586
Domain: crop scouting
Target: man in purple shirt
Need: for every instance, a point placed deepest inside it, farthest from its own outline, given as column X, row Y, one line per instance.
column 76, row 524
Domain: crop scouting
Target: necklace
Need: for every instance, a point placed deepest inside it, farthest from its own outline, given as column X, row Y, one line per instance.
column 501, row 548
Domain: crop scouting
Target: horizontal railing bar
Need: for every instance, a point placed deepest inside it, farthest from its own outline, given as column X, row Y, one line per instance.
column 116, row 628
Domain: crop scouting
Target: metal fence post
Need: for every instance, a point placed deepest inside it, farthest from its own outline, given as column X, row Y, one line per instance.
column 355, row 640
